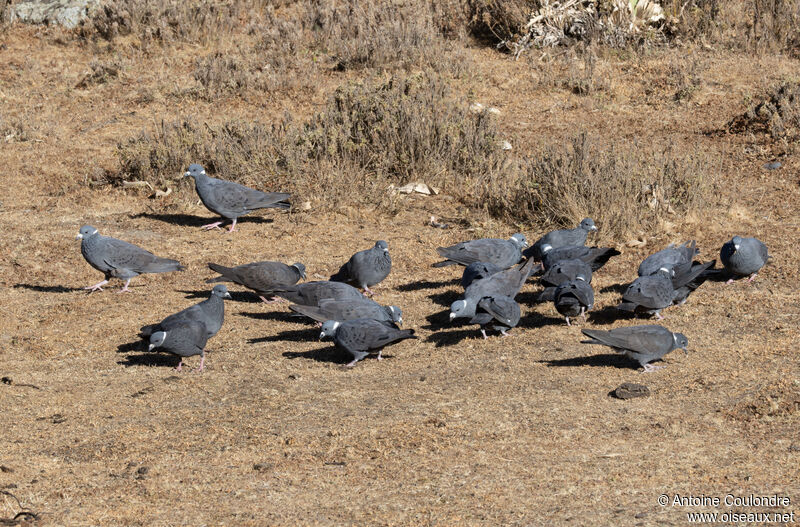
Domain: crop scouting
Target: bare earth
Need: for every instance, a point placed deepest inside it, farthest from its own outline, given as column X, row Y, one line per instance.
column 449, row 429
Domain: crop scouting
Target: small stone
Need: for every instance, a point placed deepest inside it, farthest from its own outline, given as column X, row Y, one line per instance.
column 6, row 380
column 773, row 165
column 263, row 467
column 142, row 471
column 6, row 470
column 629, row 390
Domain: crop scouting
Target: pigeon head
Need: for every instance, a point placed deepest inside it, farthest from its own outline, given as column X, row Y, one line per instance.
column 737, row 242
column 220, row 291
column 195, row 171
column 85, row 232
column 329, row 329
column 588, row 225
column 380, row 244
column 397, row 314
column 519, row 239
column 458, row 309
column 157, row 340
column 681, row 341
column 300, row 269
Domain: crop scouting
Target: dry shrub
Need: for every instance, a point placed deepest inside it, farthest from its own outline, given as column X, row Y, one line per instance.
column 412, row 128
column 776, row 114
column 624, row 188
column 101, row 72
column 499, row 21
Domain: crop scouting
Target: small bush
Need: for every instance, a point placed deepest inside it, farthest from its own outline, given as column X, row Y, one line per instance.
column 776, row 114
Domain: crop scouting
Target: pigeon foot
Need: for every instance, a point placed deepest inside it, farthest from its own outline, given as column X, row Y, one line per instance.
column 96, row 287
column 650, row 368
column 211, row 226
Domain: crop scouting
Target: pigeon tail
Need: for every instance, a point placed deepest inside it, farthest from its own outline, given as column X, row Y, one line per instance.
column 221, row 269
column 627, row 306
column 341, row 275
column 444, row 263
column 311, row 312
column 548, row 295
column 163, row 265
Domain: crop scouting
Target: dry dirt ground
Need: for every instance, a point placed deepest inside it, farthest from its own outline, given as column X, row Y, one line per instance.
column 449, row 429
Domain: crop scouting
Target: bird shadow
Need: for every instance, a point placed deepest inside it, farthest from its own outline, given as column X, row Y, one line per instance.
column 136, row 345
column 150, row 359
column 426, row 284
column 236, row 296
column 607, row 359
column 533, row 320
column 438, row 320
column 446, row 298
column 325, row 354
column 615, row 288
column 277, row 316
column 451, row 338
column 530, row 297
column 48, row 288
column 189, row 220
column 289, row 335
column 608, row 315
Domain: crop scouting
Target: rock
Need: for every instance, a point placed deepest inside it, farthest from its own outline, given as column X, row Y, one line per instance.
column 629, row 390
column 773, row 166
column 66, row 13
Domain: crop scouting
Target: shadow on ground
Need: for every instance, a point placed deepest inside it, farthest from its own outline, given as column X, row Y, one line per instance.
column 189, row 220
column 48, row 288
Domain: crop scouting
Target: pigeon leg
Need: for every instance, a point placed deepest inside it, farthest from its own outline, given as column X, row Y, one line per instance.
column 651, row 368
column 125, row 287
column 503, row 333
column 211, row 226
column 659, row 316
column 729, row 282
column 379, row 354
column 568, row 322
column 202, row 362
column 583, row 313
column 273, row 300
column 351, row 363
column 179, row 366
column 368, row 292
column 96, row 287
column 233, row 226
column 483, row 332
column 752, row 277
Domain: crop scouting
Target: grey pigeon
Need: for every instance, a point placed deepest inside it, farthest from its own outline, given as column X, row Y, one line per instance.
column 684, row 285
column 477, row 271
column 574, row 298
column 498, row 312
column 231, row 200
column 211, row 312
column 649, row 294
column 743, row 257
column 561, row 272
column 343, row 310
column 643, row 344
column 184, row 339
column 260, row 276
column 668, row 258
column 502, row 253
column 505, row 283
column 118, row 259
column 312, row 293
column 597, row 257
column 366, row 268
column 562, row 238
column 359, row 337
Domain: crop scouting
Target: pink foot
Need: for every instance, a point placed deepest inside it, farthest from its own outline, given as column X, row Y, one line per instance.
column 483, row 332
column 233, row 226
column 568, row 322
column 273, row 300
column 211, row 226
column 379, row 355
column 752, row 277
column 202, row 364
column 368, row 292
column 351, row 364
column 179, row 366
column 659, row 316
column 503, row 333
column 125, row 288
column 651, row 368
column 729, row 282
column 96, row 287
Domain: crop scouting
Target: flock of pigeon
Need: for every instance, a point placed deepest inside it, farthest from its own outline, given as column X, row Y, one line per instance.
column 494, row 272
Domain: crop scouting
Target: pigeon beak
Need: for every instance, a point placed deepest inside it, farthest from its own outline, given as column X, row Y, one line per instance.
column 400, row 321
column 452, row 316
column 150, row 347
column 79, row 236
column 186, row 174
column 322, row 335
column 685, row 351
column 594, row 228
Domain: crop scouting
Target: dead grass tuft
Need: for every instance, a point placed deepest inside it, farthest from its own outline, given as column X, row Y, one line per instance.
column 776, row 114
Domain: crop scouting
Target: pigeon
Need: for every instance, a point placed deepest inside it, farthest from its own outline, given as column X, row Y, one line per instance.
column 211, row 312
column 643, row 344
column 688, row 280
column 502, row 253
column 574, row 298
column 231, row 200
column 649, row 294
column 561, row 272
column 498, row 312
column 184, row 339
column 597, row 257
column 260, row 276
column 668, row 258
column 343, row 310
column 476, row 271
column 743, row 257
column 312, row 293
column 366, row 268
column 118, row 259
column 504, row 283
column 562, row 238
column 362, row 335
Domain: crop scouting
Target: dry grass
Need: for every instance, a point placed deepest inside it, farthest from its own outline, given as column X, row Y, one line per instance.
column 776, row 114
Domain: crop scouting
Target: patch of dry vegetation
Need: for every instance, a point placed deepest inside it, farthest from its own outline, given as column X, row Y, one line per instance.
column 776, row 114
column 412, row 128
